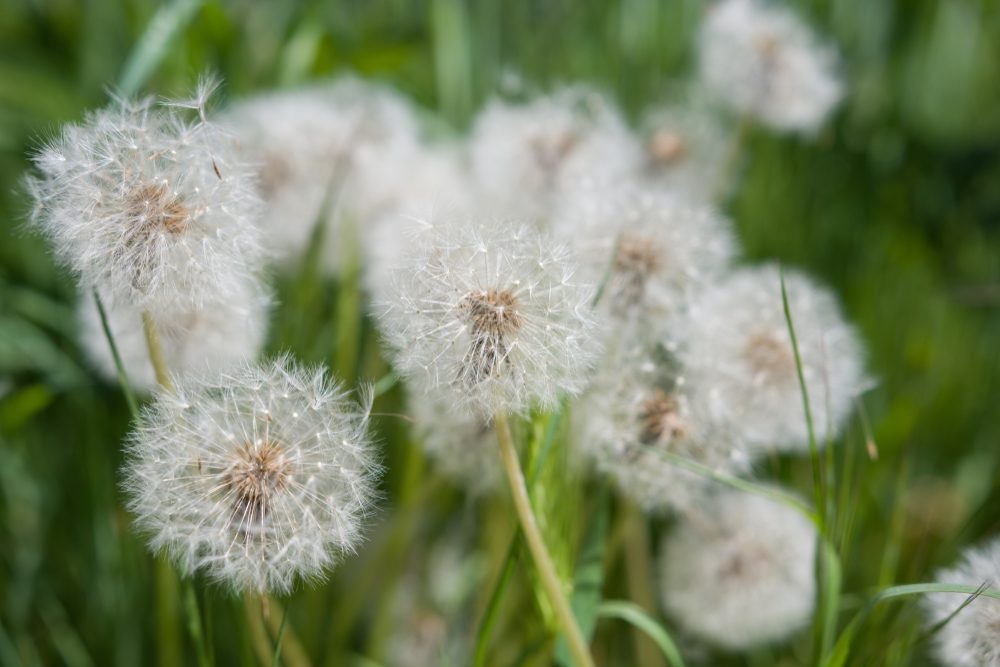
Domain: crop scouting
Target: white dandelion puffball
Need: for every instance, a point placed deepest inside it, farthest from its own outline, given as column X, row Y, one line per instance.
column 150, row 208
column 213, row 339
column 522, row 154
column 763, row 61
column 737, row 354
column 637, row 409
column 420, row 186
column 495, row 314
column 650, row 252
column 972, row 637
column 740, row 573
column 307, row 147
column 687, row 149
column 462, row 445
column 260, row 476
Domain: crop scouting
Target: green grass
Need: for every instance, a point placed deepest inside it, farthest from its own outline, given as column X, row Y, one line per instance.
column 896, row 206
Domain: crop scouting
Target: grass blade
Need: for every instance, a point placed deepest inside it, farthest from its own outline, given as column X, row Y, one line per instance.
column 634, row 614
column 152, row 45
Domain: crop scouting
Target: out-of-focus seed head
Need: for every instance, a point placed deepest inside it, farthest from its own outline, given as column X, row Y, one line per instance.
column 495, row 314
column 736, row 350
column 739, row 571
column 260, row 476
column 972, row 637
column 761, row 60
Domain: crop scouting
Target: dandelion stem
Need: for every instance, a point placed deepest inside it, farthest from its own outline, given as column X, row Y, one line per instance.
column 536, row 545
column 292, row 651
column 258, row 633
column 156, row 352
column 640, row 581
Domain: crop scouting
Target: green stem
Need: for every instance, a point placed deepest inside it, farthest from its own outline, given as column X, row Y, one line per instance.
column 258, row 633
column 133, row 404
column 156, row 352
column 536, row 546
column 292, row 651
column 276, row 659
column 640, row 581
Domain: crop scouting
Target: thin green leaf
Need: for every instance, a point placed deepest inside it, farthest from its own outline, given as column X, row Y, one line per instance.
column 637, row 616
column 152, row 46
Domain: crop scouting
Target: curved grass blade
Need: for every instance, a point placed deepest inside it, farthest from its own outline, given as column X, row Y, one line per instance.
column 637, row 616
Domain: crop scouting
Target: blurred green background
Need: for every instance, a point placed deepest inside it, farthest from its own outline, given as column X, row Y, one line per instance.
column 896, row 205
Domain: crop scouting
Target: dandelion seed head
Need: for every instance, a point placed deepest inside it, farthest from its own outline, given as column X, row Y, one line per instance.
column 738, row 572
column 651, row 252
column 494, row 313
column 637, row 409
column 523, row 155
column 972, row 637
column 763, row 61
column 260, row 477
column 149, row 207
column 738, row 356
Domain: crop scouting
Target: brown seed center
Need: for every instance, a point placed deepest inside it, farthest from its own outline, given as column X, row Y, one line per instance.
column 551, row 151
column 636, row 260
column 492, row 318
column 152, row 207
column 770, row 357
column 659, row 419
column 666, row 147
column 254, row 478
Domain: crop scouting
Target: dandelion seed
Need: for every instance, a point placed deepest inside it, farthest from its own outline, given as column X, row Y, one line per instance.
column 762, row 61
column 738, row 358
column 637, row 409
column 494, row 313
column 972, row 637
column 259, row 477
column 739, row 572
column 133, row 202
column 523, row 155
column 214, row 339
column 651, row 252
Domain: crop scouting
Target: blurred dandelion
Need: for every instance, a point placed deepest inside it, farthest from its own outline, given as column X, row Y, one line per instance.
column 972, row 637
column 739, row 572
column 762, row 61
column 258, row 476
column 737, row 355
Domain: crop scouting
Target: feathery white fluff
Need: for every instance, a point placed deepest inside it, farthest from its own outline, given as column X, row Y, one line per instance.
column 763, row 61
column 462, row 445
column 212, row 339
column 259, row 476
column 972, row 637
column 327, row 152
column 638, row 408
column 494, row 314
column 649, row 252
column 737, row 354
column 150, row 207
column 739, row 573
column 522, row 155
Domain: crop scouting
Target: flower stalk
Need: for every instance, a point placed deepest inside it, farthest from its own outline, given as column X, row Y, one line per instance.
column 536, row 545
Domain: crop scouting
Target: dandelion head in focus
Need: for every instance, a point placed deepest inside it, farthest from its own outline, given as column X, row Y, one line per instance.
column 212, row 339
column 523, row 154
column 260, row 477
column 493, row 312
column 150, row 207
column 636, row 409
column 972, row 637
column 461, row 444
column 739, row 571
column 737, row 354
column 763, row 61
column 650, row 252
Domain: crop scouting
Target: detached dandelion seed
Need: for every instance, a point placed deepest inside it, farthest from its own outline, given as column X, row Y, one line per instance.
column 260, row 477
column 133, row 203
column 972, row 637
column 495, row 315
column 739, row 573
